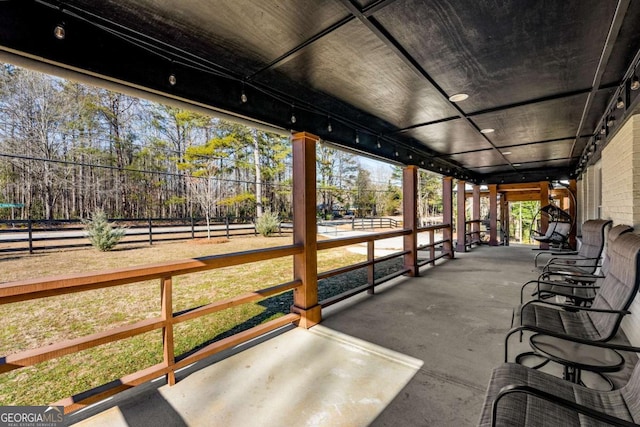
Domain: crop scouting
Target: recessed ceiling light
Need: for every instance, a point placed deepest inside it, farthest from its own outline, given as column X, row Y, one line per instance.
column 487, row 130
column 458, row 97
column 506, row 153
column 517, row 164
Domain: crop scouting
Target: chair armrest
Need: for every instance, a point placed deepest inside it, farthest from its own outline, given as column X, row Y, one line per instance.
column 569, row 285
column 556, row 400
column 574, row 308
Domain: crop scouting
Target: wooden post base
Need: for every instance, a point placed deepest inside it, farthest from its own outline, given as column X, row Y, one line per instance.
column 309, row 317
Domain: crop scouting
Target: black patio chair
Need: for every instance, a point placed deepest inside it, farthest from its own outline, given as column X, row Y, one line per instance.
column 601, row 321
column 578, row 288
column 587, row 259
column 522, row 396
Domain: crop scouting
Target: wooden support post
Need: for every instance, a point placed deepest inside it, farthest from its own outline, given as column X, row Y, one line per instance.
column 432, row 248
column 573, row 210
column 371, row 269
column 305, row 297
column 475, row 207
column 461, row 223
column 504, row 216
column 544, row 201
column 167, row 331
column 447, row 213
column 493, row 215
column 410, row 218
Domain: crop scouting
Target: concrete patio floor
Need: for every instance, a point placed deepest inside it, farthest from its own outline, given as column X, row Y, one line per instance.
column 417, row 353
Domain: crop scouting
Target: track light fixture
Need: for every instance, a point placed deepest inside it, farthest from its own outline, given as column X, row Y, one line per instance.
column 378, row 143
column 172, row 79
column 620, row 103
column 293, row 114
column 243, row 96
column 357, row 137
column 603, row 130
column 611, row 120
column 329, row 127
column 59, row 31
column 635, row 83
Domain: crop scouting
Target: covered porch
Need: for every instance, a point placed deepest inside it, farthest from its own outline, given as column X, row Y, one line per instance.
column 417, row 352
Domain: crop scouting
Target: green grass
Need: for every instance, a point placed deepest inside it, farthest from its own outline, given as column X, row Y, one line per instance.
column 32, row 324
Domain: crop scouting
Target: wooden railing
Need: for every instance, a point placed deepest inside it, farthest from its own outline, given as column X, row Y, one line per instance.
column 472, row 232
column 39, row 288
column 371, row 261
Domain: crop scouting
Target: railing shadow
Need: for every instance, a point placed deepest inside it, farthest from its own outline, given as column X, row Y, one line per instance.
column 279, row 305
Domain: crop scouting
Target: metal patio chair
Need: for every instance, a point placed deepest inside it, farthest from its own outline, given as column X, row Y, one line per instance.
column 586, row 260
column 578, row 288
column 601, row 321
column 522, row 396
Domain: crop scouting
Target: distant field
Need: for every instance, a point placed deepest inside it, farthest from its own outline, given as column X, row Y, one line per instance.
column 36, row 323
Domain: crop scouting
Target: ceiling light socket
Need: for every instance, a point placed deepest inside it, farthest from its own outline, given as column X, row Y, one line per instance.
column 458, row 97
column 172, row 79
column 59, row 32
column 635, row 83
column 619, row 103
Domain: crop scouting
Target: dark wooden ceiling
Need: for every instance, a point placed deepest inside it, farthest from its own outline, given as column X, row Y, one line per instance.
column 543, row 74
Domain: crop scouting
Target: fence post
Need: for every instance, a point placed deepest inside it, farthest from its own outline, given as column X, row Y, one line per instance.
column 226, row 225
column 30, row 227
column 353, row 223
column 167, row 329
column 193, row 229
column 150, row 233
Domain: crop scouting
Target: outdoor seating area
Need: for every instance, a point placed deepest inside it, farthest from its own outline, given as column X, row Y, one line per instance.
column 575, row 337
column 447, row 327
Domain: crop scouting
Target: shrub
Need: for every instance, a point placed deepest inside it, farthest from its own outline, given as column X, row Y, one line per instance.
column 101, row 233
column 268, row 223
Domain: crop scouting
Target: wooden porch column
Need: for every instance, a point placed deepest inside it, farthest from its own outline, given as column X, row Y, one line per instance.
column 475, row 211
column 447, row 213
column 461, row 226
column 410, row 218
column 305, row 297
column 493, row 214
column 504, row 216
column 544, row 201
column 573, row 210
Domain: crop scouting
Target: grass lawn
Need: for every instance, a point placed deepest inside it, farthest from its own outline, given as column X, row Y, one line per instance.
column 33, row 324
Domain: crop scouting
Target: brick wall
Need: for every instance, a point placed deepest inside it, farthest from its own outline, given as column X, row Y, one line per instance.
column 621, row 195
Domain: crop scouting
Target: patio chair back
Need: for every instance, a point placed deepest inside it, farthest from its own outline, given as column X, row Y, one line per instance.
column 619, row 287
column 612, row 235
column 593, row 237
